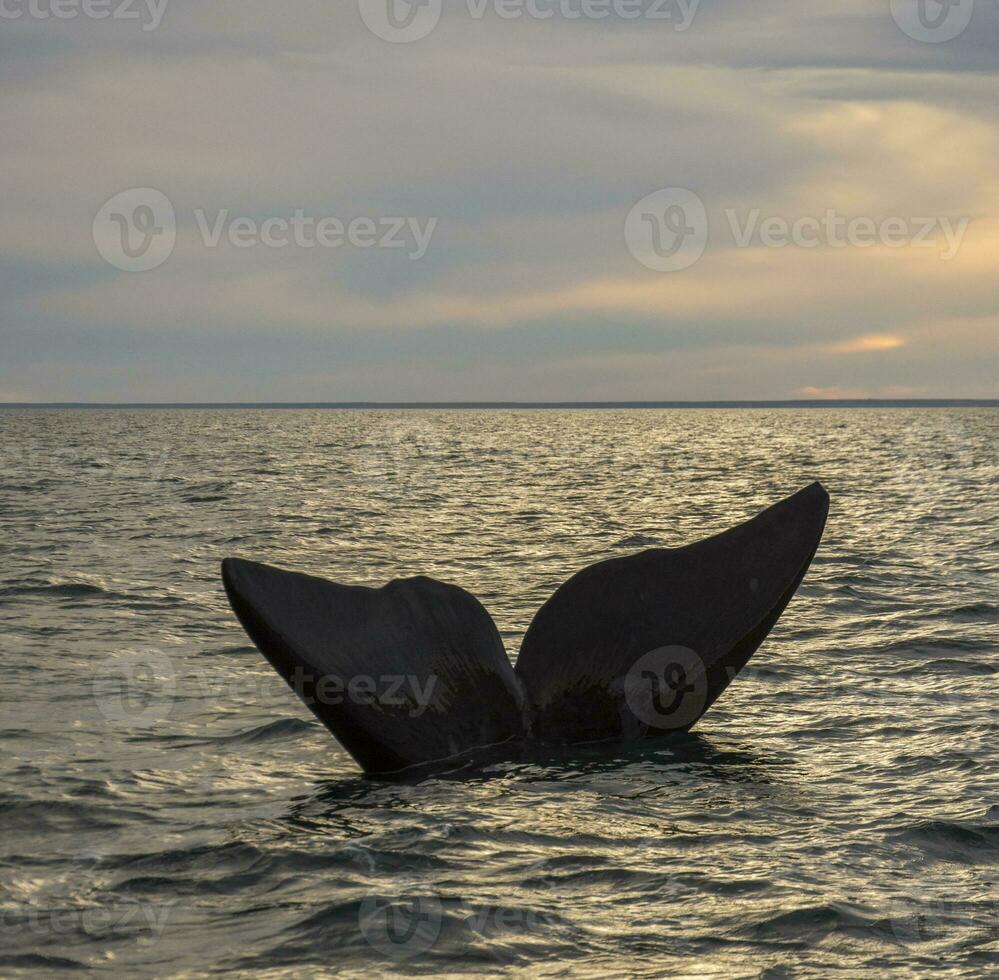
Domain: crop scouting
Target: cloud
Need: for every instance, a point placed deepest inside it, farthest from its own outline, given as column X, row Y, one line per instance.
column 529, row 141
column 837, row 392
column 869, row 344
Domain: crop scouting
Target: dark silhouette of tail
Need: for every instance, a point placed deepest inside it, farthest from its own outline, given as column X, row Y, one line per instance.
column 646, row 644
column 416, row 671
column 408, row 673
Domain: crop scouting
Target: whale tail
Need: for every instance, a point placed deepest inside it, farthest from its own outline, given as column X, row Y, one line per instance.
column 643, row 645
column 408, row 673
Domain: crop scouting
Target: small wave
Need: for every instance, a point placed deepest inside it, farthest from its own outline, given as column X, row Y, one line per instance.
column 234, row 856
column 637, row 541
column 950, row 840
column 283, row 728
column 727, row 886
column 205, row 493
column 272, row 731
column 965, row 668
column 35, row 487
column 973, row 611
column 6, row 733
column 855, row 578
column 813, row 922
column 937, row 762
column 65, row 590
column 241, row 650
column 38, row 961
column 64, row 816
column 619, row 880
column 334, row 930
column 929, row 648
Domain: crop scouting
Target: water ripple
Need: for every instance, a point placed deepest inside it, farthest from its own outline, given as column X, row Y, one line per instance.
column 834, row 814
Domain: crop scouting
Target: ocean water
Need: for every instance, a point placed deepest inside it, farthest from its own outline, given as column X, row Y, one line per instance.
column 169, row 808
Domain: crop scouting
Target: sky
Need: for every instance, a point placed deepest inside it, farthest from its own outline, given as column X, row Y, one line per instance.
column 373, row 200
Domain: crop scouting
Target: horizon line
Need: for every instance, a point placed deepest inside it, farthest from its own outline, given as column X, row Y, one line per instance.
column 445, row 405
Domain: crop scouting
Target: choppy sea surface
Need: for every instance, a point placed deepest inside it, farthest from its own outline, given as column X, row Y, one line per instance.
column 169, row 808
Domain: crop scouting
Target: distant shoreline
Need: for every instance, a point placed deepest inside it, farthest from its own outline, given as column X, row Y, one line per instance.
column 799, row 403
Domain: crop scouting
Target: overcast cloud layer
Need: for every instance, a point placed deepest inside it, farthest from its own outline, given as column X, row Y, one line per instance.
column 517, row 147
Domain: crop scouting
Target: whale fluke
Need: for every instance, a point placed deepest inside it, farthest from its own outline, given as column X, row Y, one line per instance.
column 408, row 673
column 416, row 672
column 699, row 612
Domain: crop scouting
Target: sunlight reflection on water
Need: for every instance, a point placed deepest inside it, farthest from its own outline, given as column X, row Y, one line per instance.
column 834, row 811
